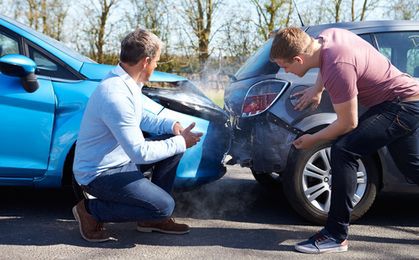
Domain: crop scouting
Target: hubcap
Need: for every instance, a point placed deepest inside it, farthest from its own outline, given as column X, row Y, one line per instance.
column 317, row 180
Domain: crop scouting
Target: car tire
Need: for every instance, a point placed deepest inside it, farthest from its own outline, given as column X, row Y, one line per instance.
column 271, row 181
column 297, row 183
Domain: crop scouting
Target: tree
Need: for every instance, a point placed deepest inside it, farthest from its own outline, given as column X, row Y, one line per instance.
column 46, row 16
column 199, row 15
column 155, row 16
column 238, row 40
column 270, row 13
column 152, row 15
column 366, row 6
column 96, row 32
column 337, row 5
column 404, row 10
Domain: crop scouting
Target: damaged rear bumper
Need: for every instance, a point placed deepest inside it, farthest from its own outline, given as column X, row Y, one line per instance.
column 267, row 146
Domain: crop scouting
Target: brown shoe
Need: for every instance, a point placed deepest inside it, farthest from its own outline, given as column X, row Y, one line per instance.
column 168, row 226
column 90, row 229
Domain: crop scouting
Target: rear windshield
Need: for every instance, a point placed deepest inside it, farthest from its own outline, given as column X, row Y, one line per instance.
column 258, row 64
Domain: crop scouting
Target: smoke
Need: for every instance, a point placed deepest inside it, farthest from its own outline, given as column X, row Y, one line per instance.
column 226, row 197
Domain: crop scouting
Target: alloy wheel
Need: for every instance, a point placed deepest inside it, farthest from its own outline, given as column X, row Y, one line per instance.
column 317, row 180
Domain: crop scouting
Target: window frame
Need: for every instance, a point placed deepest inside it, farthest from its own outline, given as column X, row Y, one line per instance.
column 74, row 75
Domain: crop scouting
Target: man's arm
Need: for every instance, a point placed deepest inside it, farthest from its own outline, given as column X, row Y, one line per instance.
column 155, row 124
column 310, row 96
column 118, row 113
column 347, row 120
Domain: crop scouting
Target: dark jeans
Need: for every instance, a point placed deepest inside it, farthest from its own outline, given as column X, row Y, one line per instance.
column 392, row 124
column 124, row 196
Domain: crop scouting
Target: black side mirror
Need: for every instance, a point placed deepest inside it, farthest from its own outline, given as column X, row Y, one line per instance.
column 16, row 65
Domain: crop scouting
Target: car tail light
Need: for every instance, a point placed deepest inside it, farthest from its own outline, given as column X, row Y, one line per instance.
column 261, row 96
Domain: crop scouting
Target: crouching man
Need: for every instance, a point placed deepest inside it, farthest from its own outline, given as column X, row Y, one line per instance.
column 112, row 153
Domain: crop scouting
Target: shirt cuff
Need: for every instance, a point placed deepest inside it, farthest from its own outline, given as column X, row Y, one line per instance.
column 171, row 124
column 180, row 144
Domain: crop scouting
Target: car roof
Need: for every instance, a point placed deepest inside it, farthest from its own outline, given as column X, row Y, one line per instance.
column 366, row 26
column 78, row 62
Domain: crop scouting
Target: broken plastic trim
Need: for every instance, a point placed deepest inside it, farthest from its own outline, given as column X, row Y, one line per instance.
column 278, row 121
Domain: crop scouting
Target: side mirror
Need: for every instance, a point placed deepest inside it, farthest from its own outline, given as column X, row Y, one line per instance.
column 16, row 65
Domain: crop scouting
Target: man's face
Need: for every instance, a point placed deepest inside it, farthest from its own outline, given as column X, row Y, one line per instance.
column 295, row 66
column 150, row 66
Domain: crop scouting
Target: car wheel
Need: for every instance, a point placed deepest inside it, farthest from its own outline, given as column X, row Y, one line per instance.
column 307, row 184
column 268, row 180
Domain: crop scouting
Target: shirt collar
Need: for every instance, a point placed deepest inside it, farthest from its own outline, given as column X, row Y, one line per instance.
column 119, row 71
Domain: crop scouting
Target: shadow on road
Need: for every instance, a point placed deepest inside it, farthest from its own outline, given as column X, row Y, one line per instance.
column 43, row 217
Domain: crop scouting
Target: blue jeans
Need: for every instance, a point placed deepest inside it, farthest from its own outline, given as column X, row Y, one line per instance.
column 392, row 124
column 124, row 196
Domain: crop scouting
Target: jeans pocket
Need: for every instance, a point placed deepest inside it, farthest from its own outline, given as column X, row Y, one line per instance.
column 403, row 123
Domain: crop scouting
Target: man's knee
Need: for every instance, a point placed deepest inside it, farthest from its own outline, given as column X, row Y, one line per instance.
column 166, row 207
column 340, row 155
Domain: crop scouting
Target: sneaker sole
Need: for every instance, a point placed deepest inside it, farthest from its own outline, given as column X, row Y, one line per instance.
column 149, row 230
column 323, row 251
column 76, row 216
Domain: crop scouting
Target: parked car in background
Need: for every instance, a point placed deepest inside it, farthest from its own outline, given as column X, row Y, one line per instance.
column 258, row 100
column 44, row 87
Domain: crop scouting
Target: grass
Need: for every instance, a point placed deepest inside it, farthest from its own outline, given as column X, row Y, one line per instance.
column 217, row 96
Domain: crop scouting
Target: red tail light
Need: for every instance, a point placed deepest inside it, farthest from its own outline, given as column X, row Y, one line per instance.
column 257, row 104
column 261, row 96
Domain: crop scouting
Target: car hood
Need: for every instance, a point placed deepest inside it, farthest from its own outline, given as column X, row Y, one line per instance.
column 182, row 96
column 96, row 72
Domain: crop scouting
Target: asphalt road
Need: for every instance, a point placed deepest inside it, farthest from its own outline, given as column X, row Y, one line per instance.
column 233, row 218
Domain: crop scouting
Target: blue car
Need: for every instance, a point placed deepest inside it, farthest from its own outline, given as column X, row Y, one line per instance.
column 44, row 87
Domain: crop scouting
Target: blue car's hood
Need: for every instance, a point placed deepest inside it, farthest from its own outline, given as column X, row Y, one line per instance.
column 95, row 71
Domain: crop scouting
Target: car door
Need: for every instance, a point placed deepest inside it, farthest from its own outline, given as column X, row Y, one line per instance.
column 26, row 121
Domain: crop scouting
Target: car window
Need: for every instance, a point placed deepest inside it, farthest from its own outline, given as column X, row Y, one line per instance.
column 258, row 64
column 8, row 45
column 402, row 49
column 48, row 67
column 366, row 37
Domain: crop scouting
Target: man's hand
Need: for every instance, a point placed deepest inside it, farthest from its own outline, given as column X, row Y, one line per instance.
column 306, row 141
column 309, row 96
column 177, row 128
column 190, row 138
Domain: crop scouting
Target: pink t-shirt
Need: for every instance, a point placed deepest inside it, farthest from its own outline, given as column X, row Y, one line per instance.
column 351, row 67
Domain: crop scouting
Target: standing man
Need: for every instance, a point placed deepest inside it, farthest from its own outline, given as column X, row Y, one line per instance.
column 112, row 153
column 351, row 75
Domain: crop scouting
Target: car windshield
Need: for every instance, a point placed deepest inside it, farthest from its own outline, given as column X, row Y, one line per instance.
column 258, row 64
column 58, row 45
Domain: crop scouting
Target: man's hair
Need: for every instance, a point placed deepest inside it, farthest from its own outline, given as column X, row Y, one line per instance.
column 137, row 45
column 290, row 42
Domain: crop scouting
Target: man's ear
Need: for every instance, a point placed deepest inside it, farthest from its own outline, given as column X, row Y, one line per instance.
column 143, row 62
column 298, row 59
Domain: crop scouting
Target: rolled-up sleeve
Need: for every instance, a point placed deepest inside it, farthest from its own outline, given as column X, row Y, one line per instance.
column 154, row 124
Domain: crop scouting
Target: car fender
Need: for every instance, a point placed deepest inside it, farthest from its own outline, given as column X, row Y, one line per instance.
column 313, row 121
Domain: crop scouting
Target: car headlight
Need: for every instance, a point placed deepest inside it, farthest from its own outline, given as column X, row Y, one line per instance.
column 261, row 96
